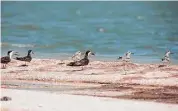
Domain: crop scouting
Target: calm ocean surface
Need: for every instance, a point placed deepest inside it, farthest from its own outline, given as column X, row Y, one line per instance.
column 58, row 29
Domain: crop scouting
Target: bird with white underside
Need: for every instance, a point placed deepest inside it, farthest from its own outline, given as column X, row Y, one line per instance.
column 126, row 57
column 166, row 58
column 6, row 59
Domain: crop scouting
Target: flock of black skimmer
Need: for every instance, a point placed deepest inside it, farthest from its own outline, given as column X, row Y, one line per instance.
column 6, row 59
column 79, row 58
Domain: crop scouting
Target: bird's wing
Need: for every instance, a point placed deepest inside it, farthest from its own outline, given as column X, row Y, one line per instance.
column 120, row 57
column 78, row 63
column 75, row 57
column 5, row 59
column 21, row 58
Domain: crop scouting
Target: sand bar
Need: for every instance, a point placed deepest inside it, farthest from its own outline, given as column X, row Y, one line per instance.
column 114, row 79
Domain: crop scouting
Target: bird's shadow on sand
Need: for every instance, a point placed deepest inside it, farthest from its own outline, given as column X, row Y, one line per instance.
column 3, row 68
column 162, row 65
column 76, row 70
column 93, row 74
column 61, row 63
column 23, row 65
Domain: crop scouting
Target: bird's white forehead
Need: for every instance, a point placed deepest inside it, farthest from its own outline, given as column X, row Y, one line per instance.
column 129, row 52
column 168, row 52
column 90, row 53
column 12, row 52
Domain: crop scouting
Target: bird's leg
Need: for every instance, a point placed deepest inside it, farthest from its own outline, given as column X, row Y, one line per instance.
column 169, row 62
column 28, row 63
column 124, row 68
column 164, row 64
column 2, row 66
column 82, row 67
column 25, row 63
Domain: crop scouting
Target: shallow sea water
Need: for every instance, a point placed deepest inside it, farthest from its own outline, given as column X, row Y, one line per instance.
column 59, row 29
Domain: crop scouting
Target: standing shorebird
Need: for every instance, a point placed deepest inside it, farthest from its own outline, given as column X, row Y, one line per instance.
column 27, row 58
column 166, row 58
column 83, row 61
column 5, row 60
column 126, row 57
column 79, row 55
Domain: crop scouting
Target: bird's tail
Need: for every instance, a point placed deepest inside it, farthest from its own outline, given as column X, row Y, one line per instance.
column 18, row 58
column 162, row 59
column 71, row 64
column 119, row 57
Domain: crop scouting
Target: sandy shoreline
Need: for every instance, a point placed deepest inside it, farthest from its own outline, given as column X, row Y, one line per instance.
column 146, row 82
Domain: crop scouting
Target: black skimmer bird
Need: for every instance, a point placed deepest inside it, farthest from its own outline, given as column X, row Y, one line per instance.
column 79, row 55
column 166, row 58
column 126, row 57
column 83, row 61
column 5, row 60
column 27, row 58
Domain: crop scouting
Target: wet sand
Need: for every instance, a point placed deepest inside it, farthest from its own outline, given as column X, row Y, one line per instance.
column 145, row 82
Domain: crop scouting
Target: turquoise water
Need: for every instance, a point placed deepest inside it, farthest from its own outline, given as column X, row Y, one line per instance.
column 109, row 29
